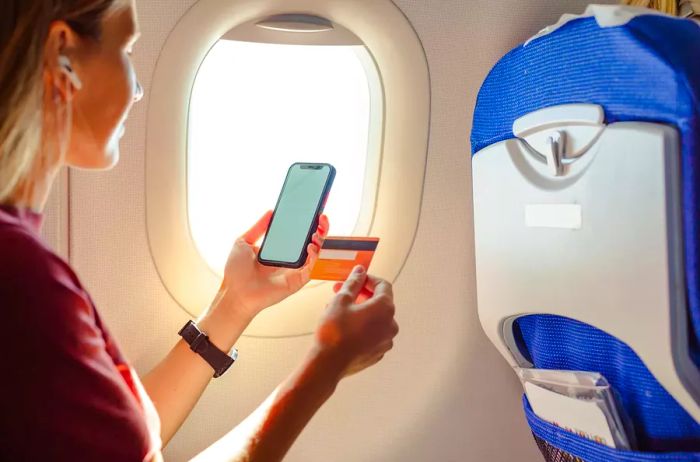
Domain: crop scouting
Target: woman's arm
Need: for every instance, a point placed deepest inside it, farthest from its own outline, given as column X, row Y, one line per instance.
column 176, row 384
column 268, row 433
column 351, row 338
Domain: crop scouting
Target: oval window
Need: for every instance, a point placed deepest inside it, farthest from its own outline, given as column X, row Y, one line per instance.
column 255, row 109
column 240, row 93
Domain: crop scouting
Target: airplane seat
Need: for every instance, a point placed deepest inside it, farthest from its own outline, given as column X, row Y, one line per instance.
column 586, row 178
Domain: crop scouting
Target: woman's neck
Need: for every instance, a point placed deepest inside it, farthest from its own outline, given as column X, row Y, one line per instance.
column 33, row 193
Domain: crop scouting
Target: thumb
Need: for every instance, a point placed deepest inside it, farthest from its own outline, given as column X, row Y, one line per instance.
column 366, row 293
column 258, row 229
column 354, row 284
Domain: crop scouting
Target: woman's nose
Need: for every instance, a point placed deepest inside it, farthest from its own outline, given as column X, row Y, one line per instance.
column 138, row 94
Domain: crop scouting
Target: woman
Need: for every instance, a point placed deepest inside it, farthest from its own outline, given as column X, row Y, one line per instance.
column 66, row 87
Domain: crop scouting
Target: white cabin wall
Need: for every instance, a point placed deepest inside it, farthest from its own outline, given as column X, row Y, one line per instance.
column 443, row 394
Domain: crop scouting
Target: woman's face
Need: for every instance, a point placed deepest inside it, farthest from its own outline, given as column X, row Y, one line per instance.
column 109, row 89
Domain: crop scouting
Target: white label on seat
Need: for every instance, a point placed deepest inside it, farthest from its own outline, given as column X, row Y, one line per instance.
column 562, row 216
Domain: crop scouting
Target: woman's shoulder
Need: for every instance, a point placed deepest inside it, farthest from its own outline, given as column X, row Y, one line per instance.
column 66, row 369
column 26, row 258
column 36, row 285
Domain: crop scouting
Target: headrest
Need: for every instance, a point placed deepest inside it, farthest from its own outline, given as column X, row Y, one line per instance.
column 643, row 68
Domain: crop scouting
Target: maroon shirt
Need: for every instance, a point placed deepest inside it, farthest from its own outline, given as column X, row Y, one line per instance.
column 66, row 391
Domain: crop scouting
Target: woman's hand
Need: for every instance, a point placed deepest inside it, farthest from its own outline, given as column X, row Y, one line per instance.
column 253, row 287
column 355, row 332
column 359, row 326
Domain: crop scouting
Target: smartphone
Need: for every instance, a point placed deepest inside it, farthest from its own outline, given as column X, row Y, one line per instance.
column 296, row 215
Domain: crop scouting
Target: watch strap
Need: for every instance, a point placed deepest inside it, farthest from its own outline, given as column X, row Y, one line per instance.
column 199, row 343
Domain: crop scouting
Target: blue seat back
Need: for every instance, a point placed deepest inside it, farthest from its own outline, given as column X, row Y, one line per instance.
column 646, row 70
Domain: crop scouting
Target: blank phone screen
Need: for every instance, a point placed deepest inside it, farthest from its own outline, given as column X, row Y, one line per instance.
column 295, row 213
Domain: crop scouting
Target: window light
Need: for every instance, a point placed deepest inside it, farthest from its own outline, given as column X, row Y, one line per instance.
column 255, row 109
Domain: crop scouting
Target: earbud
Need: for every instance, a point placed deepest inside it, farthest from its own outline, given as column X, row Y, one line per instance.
column 67, row 69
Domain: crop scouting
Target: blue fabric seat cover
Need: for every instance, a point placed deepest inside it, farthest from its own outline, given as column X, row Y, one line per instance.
column 646, row 70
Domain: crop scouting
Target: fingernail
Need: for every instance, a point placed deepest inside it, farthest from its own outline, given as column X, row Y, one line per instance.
column 359, row 269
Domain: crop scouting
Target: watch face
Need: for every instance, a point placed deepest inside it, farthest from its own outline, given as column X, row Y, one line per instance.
column 233, row 354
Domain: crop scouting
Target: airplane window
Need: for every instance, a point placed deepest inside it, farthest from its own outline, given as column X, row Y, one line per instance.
column 255, row 109
column 239, row 94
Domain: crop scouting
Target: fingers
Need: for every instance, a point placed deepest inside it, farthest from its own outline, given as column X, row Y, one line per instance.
column 317, row 240
column 394, row 329
column 369, row 287
column 321, row 232
column 382, row 299
column 373, row 361
column 353, row 285
column 371, row 284
column 323, row 225
column 381, row 287
column 365, row 294
column 301, row 276
column 375, row 291
column 319, row 236
column 312, row 250
column 258, row 229
column 385, row 347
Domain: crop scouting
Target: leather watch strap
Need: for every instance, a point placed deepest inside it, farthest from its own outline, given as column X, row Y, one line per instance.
column 199, row 343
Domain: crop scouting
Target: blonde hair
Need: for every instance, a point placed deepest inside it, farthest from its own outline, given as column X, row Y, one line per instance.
column 24, row 27
column 664, row 6
column 673, row 7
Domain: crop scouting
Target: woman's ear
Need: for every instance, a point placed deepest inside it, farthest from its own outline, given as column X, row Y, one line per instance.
column 61, row 66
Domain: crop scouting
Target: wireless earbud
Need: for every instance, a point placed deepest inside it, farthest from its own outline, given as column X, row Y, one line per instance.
column 67, row 69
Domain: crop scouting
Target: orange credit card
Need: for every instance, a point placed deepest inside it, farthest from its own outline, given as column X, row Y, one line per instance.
column 340, row 255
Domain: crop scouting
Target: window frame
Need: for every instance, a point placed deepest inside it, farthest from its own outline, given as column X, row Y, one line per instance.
column 379, row 25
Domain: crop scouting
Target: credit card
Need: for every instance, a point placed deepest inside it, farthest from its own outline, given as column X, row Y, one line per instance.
column 340, row 255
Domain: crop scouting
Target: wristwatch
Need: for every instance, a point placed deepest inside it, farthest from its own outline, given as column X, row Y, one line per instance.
column 200, row 344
